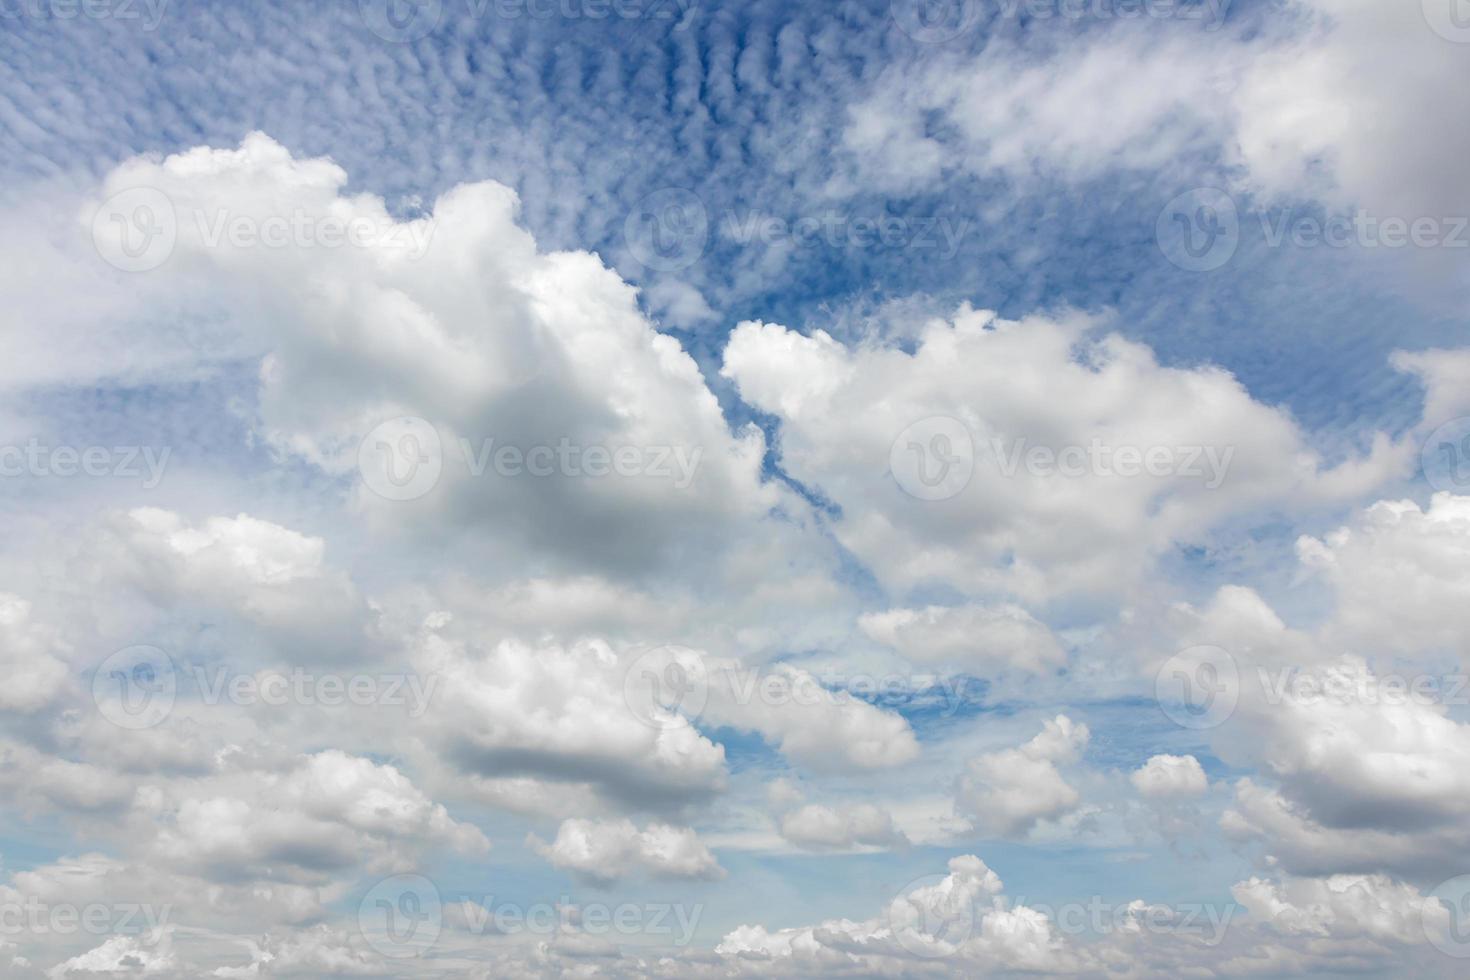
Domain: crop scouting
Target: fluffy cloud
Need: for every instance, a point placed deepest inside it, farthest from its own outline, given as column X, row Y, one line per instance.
column 1036, row 529
column 818, row 827
column 606, row 851
column 1007, row 793
column 1401, row 576
column 33, row 676
column 1170, row 777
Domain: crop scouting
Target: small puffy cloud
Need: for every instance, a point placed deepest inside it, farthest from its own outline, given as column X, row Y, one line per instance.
column 606, row 851
column 819, row 827
column 558, row 715
column 980, row 639
column 1007, row 793
column 1170, row 777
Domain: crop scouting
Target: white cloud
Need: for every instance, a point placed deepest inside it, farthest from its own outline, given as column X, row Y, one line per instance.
column 1007, row 793
column 817, row 827
column 605, row 851
column 1011, row 527
column 1170, row 777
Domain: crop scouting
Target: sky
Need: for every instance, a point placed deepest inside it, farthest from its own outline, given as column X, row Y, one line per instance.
column 665, row 488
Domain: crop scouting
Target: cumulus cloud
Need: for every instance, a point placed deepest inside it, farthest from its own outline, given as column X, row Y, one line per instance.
column 1007, row 793
column 1165, row 777
column 604, row 851
column 983, row 394
column 34, row 676
column 818, row 827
